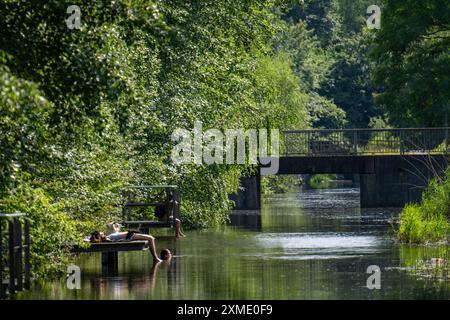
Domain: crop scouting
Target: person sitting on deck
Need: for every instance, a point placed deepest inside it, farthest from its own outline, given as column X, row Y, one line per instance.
column 164, row 212
column 113, row 234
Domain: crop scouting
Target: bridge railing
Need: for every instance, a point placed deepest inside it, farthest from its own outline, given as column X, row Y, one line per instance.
column 323, row 142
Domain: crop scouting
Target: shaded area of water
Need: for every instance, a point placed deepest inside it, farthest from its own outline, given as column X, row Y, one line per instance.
column 315, row 244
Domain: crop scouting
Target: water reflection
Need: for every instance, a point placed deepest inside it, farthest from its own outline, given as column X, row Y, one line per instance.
column 248, row 219
column 120, row 287
column 315, row 244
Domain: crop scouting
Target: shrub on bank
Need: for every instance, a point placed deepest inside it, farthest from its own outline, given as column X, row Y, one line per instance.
column 428, row 221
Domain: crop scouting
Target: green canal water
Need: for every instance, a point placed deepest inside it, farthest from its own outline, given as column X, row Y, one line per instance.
column 314, row 244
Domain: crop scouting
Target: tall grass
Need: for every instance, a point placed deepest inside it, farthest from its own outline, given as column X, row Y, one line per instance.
column 428, row 221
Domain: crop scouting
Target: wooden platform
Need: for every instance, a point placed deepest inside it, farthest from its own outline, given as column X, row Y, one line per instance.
column 112, row 247
column 110, row 253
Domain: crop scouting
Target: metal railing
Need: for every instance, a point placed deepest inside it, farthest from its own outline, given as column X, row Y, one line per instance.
column 323, row 142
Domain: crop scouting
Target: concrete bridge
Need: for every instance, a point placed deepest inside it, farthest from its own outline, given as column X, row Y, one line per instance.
column 393, row 165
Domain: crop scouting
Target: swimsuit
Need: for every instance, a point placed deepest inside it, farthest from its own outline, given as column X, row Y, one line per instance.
column 130, row 234
column 116, row 236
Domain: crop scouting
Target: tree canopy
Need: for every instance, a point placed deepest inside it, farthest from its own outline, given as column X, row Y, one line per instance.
column 412, row 62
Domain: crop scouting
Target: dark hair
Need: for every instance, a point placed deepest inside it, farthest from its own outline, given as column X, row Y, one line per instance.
column 95, row 236
column 165, row 254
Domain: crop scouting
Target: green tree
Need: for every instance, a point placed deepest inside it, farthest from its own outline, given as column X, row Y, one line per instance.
column 279, row 98
column 311, row 64
column 23, row 111
column 412, row 64
column 320, row 16
column 348, row 83
column 330, row 55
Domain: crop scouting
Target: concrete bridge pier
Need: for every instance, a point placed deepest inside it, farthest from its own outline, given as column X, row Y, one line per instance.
column 249, row 195
column 398, row 181
column 388, row 190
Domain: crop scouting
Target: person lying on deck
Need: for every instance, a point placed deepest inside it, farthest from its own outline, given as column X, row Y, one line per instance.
column 164, row 212
column 113, row 234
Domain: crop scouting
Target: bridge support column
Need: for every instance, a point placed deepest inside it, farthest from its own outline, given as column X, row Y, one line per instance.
column 250, row 197
column 383, row 190
column 397, row 182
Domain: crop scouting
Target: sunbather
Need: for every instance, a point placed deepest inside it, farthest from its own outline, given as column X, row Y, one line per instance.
column 113, row 234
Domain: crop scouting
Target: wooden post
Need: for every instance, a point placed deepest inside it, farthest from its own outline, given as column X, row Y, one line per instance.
column 114, row 262
column 12, row 275
column 27, row 254
column 16, row 247
column 19, row 253
column 110, row 263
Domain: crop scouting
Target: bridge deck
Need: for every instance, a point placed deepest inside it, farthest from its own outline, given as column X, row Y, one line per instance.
column 365, row 164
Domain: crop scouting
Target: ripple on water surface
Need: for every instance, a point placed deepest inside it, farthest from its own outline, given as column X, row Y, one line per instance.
column 306, row 246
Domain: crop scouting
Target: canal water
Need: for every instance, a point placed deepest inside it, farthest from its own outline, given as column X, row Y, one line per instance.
column 313, row 244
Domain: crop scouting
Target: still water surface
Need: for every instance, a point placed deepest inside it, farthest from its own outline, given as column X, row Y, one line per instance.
column 314, row 244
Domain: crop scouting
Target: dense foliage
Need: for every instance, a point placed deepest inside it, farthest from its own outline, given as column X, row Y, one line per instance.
column 330, row 45
column 86, row 112
column 412, row 62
